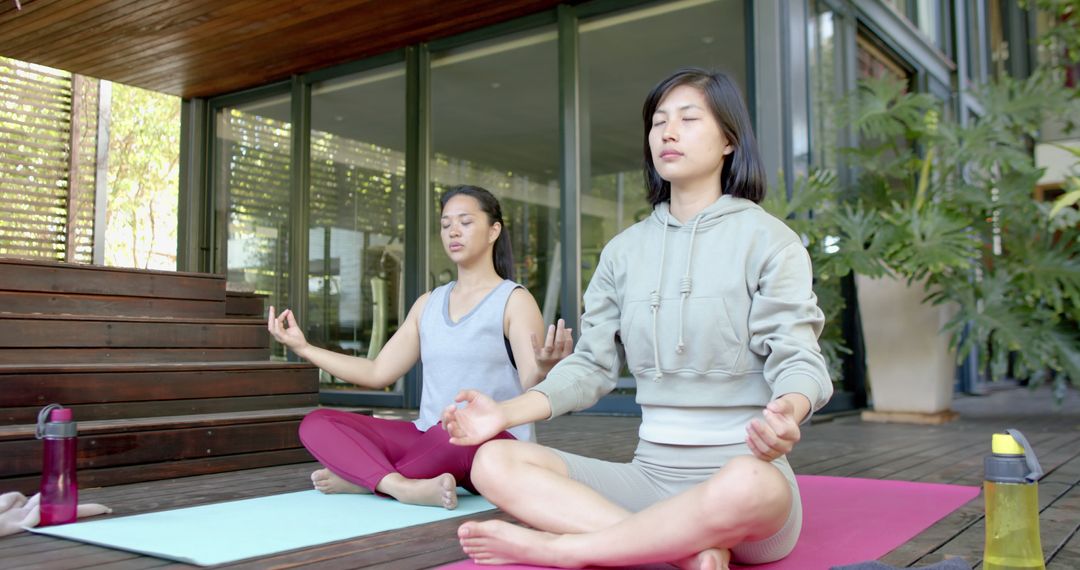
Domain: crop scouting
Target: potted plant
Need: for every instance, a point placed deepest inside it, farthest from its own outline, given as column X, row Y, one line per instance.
column 950, row 250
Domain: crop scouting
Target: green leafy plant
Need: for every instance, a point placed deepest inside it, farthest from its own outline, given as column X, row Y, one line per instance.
column 1063, row 40
column 951, row 206
column 807, row 211
column 1072, row 187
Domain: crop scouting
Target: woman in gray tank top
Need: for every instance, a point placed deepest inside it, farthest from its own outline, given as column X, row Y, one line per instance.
column 485, row 311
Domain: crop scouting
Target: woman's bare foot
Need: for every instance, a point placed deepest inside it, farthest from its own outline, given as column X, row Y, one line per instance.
column 438, row 491
column 711, row 559
column 330, row 483
column 498, row 542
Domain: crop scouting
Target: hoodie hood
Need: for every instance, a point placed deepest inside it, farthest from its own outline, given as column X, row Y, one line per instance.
column 710, row 216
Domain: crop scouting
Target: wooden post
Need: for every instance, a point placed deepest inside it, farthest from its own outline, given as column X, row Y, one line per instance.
column 78, row 118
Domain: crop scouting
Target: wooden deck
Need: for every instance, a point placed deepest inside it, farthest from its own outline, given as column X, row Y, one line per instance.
column 838, row 446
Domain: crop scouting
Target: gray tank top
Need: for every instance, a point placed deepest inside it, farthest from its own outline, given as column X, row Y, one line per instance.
column 471, row 353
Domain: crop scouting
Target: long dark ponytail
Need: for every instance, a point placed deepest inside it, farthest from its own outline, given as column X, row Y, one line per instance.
column 503, row 255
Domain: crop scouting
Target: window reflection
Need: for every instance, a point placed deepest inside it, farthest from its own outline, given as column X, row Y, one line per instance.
column 495, row 124
column 825, row 84
column 618, row 71
column 357, row 206
column 254, row 146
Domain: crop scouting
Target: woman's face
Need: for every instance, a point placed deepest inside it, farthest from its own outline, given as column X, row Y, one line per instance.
column 685, row 140
column 466, row 233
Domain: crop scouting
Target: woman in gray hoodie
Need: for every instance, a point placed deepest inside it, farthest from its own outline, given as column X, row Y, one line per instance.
column 709, row 301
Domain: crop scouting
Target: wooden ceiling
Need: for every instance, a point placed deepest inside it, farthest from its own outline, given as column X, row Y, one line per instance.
column 200, row 48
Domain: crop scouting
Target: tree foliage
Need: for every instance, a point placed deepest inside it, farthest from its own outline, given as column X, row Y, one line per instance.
column 143, row 170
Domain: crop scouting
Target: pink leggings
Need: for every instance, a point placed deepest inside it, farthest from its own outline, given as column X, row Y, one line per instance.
column 363, row 449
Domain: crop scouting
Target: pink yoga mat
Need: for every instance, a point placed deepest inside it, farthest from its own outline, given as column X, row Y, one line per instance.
column 849, row 520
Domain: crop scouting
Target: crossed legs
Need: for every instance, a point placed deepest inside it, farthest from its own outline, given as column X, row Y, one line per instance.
column 746, row 500
column 362, row 454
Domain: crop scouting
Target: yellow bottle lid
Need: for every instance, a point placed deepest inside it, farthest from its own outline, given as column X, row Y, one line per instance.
column 1004, row 444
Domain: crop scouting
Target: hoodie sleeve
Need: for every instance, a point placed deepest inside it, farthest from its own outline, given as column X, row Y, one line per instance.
column 582, row 378
column 785, row 322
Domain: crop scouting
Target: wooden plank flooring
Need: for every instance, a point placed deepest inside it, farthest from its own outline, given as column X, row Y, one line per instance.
column 838, row 446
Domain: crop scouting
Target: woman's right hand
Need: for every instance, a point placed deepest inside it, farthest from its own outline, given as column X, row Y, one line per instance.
column 478, row 421
column 285, row 330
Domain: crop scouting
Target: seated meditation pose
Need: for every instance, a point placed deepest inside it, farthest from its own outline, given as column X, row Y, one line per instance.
column 481, row 330
column 709, row 303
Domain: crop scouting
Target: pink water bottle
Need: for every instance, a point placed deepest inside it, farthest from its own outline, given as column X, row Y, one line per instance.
column 59, row 492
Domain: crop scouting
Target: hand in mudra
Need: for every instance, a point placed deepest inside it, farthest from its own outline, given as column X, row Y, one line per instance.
column 478, row 421
column 558, row 344
column 285, row 330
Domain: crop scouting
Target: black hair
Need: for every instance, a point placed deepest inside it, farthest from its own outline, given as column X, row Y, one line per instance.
column 743, row 175
column 502, row 255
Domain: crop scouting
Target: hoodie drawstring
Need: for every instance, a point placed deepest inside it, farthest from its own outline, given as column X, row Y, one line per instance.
column 654, row 301
column 685, row 285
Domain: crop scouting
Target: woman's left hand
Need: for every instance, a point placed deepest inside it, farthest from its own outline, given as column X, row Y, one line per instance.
column 777, row 434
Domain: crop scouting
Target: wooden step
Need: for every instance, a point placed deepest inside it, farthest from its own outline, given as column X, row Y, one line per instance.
column 79, row 304
column 238, row 304
column 130, row 355
column 125, row 451
column 33, row 339
column 166, row 373
column 28, row 286
column 76, row 331
column 105, row 392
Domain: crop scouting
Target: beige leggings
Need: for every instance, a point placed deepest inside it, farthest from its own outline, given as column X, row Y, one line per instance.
column 659, row 471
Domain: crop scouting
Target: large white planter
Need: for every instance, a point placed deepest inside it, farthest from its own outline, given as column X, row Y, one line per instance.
column 908, row 362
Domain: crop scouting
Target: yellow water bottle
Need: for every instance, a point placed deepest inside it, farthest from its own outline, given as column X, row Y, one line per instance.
column 1012, row 505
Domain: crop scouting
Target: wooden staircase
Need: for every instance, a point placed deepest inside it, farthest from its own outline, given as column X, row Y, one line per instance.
column 167, row 373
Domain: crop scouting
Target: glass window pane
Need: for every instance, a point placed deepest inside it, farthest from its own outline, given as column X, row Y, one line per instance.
column 254, row 146
column 356, row 276
column 618, row 71
column 901, row 6
column 928, row 17
column 825, row 83
column 997, row 49
column 974, row 37
column 872, row 60
column 495, row 124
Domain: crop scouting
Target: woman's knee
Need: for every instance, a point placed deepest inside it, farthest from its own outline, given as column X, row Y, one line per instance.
column 507, row 460
column 313, row 422
column 745, row 491
column 492, row 462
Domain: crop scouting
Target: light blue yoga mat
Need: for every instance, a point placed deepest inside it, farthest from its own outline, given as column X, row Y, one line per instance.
column 227, row 532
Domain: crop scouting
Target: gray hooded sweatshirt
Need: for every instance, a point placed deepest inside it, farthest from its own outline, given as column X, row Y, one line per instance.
column 714, row 318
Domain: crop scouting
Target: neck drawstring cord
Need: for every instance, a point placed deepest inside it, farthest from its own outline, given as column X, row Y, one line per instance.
column 685, row 286
column 654, row 301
